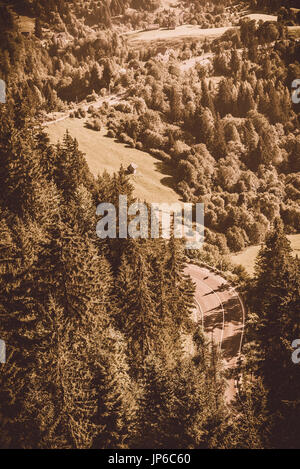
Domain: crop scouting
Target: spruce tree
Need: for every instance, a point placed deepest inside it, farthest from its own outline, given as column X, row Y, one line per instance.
column 137, row 316
column 275, row 300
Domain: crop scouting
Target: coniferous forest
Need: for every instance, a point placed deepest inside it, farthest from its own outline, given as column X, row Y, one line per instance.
column 102, row 347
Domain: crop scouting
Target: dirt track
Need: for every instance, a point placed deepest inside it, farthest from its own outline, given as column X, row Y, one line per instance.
column 220, row 310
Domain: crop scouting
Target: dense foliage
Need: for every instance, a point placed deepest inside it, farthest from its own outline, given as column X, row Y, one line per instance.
column 96, row 330
column 228, row 127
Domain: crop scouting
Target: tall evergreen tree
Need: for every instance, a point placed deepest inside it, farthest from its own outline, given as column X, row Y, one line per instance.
column 275, row 300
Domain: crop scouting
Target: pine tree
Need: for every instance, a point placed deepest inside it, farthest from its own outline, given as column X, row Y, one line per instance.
column 71, row 168
column 20, row 168
column 108, row 189
column 178, row 404
column 235, row 62
column 137, row 317
column 168, row 342
column 38, row 28
column 180, row 285
column 251, row 428
column 276, row 291
column 21, row 313
column 155, row 417
column 219, row 146
column 245, row 100
column 206, row 97
column 117, row 395
column 175, row 104
column 224, row 101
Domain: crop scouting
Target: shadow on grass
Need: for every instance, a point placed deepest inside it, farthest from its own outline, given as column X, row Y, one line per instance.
column 170, row 179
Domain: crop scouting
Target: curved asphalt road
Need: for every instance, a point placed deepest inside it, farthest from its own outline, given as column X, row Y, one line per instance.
column 220, row 310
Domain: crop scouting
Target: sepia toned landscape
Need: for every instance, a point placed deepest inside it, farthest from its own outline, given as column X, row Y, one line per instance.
column 138, row 340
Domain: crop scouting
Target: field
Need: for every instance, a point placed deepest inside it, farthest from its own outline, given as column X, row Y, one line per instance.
column 26, row 24
column 153, row 182
column 261, row 17
column 248, row 256
column 187, row 30
column 294, row 32
column 168, row 3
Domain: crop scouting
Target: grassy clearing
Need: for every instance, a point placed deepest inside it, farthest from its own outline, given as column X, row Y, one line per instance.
column 26, row 24
column 248, row 256
column 188, row 31
column 183, row 31
column 294, row 32
column 153, row 181
column 261, row 17
column 168, row 3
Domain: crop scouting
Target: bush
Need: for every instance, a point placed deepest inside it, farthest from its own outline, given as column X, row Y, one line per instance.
column 123, row 137
column 153, row 139
column 129, row 141
column 111, row 133
column 235, row 239
column 94, row 124
column 160, row 154
column 81, row 112
column 181, row 150
column 123, row 107
column 91, row 97
column 139, row 146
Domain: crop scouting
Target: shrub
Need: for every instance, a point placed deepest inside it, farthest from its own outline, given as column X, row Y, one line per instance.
column 123, row 107
column 160, row 154
column 139, row 146
column 82, row 112
column 153, row 139
column 91, row 97
column 235, row 239
column 129, row 141
column 181, row 150
column 123, row 137
column 94, row 124
column 111, row 133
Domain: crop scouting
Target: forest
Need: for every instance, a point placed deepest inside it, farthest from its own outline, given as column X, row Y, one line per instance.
column 95, row 329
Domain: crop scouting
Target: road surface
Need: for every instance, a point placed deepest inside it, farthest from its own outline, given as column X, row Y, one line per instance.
column 218, row 307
